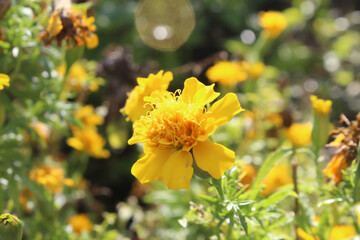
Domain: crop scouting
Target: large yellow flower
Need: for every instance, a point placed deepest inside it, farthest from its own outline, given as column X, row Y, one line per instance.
column 4, row 81
column 273, row 23
column 176, row 132
column 135, row 105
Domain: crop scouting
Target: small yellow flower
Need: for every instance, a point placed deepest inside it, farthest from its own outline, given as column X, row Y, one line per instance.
column 277, row 177
column 176, row 132
column 51, row 177
column 88, row 116
column 227, row 73
column 41, row 129
column 342, row 232
column 255, row 70
column 79, row 78
column 80, row 223
column 89, row 141
column 299, row 134
column 321, row 106
column 273, row 23
column 4, row 81
column 135, row 106
column 73, row 26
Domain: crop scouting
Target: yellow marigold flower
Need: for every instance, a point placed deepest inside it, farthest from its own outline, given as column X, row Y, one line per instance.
column 89, row 141
column 4, row 81
column 247, row 174
column 51, row 177
column 73, row 26
column 273, row 23
column 135, row 105
column 88, row 116
column 176, row 132
column 342, row 232
column 277, row 177
column 227, row 73
column 255, row 70
column 321, row 106
column 299, row 134
column 80, row 223
column 334, row 168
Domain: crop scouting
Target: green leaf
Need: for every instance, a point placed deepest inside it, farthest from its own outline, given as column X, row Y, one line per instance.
column 209, row 199
column 241, row 219
column 269, row 163
column 275, row 198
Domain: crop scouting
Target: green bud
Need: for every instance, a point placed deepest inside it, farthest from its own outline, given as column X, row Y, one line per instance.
column 320, row 131
column 10, row 227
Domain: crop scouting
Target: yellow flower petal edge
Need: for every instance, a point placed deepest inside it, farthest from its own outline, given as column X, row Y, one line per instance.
column 4, row 81
column 213, row 158
column 176, row 131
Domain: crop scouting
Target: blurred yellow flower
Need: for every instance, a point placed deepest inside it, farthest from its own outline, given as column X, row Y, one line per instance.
column 135, row 106
column 41, row 129
column 79, row 78
column 277, row 177
column 176, row 132
column 80, row 223
column 276, row 119
column 255, row 70
column 89, row 141
column 4, row 81
column 88, row 117
column 342, row 232
column 320, row 106
column 247, row 174
column 51, row 177
column 71, row 25
column 273, row 23
column 335, row 167
column 299, row 134
column 227, row 73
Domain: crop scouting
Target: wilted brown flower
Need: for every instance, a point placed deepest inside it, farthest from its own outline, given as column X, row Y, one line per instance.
column 73, row 26
column 346, row 144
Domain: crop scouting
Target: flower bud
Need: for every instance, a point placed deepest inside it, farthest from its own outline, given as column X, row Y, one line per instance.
column 10, row 227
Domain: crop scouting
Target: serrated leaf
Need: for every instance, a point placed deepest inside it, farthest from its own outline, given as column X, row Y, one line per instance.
column 208, row 198
column 241, row 219
column 275, row 198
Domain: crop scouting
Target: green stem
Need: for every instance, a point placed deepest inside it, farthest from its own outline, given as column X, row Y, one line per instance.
column 217, row 184
column 318, row 170
column 356, row 193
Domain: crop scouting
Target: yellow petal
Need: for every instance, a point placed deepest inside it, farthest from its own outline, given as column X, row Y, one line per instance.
column 225, row 109
column 178, row 170
column 4, row 80
column 149, row 167
column 213, row 158
column 92, row 41
column 75, row 143
column 197, row 93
